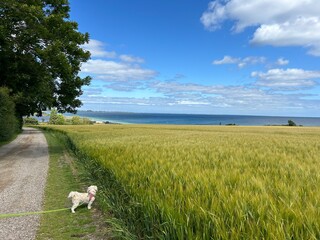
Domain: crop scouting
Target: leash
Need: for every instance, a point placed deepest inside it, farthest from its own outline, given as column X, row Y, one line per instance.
column 31, row 213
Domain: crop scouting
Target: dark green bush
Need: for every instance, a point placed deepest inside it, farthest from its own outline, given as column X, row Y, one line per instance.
column 291, row 123
column 8, row 120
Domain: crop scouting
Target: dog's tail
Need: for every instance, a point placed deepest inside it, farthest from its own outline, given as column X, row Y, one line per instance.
column 71, row 194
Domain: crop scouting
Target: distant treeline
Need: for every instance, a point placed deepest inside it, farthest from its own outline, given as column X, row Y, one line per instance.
column 290, row 123
column 58, row 119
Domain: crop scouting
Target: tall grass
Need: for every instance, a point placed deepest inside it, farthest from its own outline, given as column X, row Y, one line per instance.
column 188, row 182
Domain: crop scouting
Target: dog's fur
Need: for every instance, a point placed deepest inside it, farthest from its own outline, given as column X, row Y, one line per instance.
column 80, row 198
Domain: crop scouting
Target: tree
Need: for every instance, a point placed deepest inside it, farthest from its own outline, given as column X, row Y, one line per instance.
column 41, row 55
column 291, row 123
column 56, row 118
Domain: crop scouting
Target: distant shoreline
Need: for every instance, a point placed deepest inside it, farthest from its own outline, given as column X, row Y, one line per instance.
column 102, row 117
column 194, row 119
column 191, row 114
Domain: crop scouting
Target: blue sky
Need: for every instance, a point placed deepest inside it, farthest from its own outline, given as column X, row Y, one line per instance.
column 248, row 57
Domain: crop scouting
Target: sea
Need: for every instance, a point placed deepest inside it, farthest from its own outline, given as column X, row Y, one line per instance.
column 195, row 119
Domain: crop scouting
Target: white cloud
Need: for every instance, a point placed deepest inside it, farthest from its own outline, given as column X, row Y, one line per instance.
column 287, row 79
column 188, row 102
column 214, row 16
column 116, row 71
column 300, row 32
column 92, row 91
column 122, row 68
column 278, row 22
column 150, row 101
column 181, row 97
column 236, row 98
column 125, row 86
column 241, row 62
column 227, row 93
column 96, row 49
column 226, row 60
column 251, row 60
column 131, row 59
column 282, row 62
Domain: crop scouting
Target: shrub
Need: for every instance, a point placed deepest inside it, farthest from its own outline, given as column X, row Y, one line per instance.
column 87, row 121
column 76, row 120
column 8, row 121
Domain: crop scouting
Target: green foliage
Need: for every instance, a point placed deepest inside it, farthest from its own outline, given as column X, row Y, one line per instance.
column 186, row 182
column 40, row 55
column 87, row 121
column 56, row 118
column 30, row 121
column 291, row 123
column 76, row 120
column 8, row 121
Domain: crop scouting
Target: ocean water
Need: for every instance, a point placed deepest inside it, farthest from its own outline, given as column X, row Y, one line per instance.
column 195, row 119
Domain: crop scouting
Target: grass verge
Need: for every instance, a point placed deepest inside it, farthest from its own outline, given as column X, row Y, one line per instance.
column 65, row 175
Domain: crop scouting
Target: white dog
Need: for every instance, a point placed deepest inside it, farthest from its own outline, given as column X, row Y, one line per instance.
column 80, row 198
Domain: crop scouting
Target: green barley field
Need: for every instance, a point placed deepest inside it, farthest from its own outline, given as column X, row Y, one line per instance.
column 207, row 182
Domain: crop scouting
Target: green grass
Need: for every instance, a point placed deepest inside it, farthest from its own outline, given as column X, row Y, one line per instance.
column 63, row 177
column 199, row 182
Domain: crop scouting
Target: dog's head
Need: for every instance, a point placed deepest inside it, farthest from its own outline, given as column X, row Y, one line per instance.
column 92, row 189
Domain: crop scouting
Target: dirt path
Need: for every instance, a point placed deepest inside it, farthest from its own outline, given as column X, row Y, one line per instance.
column 23, row 172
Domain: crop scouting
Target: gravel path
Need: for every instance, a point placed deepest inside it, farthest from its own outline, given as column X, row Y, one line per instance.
column 23, row 173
